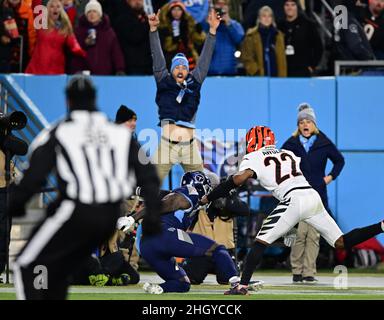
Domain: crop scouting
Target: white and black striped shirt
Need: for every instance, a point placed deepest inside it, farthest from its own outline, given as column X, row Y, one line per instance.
column 96, row 161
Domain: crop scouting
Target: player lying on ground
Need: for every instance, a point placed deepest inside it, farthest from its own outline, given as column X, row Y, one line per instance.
column 179, row 209
column 278, row 171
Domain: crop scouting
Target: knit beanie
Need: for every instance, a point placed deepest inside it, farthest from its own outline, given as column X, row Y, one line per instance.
column 94, row 5
column 306, row 112
column 124, row 114
column 179, row 59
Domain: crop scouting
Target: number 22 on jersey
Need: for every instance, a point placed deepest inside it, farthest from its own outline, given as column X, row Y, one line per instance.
column 279, row 164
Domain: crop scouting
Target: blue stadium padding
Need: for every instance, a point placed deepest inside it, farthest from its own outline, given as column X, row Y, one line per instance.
column 137, row 93
column 360, row 113
column 48, row 94
column 233, row 103
column 360, row 191
column 285, row 96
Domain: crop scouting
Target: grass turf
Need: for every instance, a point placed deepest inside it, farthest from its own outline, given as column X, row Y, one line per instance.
column 215, row 292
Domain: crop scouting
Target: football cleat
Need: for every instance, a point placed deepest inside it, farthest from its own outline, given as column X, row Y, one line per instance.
column 123, row 280
column 152, row 288
column 98, row 280
column 255, row 285
column 310, row 280
column 297, row 278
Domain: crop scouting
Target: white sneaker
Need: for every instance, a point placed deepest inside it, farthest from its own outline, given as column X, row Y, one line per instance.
column 234, row 281
column 255, row 285
column 152, row 288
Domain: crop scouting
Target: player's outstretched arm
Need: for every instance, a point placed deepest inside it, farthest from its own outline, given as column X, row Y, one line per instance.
column 159, row 65
column 223, row 189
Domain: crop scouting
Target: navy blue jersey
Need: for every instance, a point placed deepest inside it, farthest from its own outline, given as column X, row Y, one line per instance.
column 182, row 219
column 179, row 219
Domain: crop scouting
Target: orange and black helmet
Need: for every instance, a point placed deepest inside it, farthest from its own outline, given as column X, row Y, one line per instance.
column 258, row 137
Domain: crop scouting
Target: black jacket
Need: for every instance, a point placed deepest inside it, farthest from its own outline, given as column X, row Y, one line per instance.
column 314, row 162
column 374, row 28
column 303, row 35
column 5, row 49
column 132, row 30
column 352, row 43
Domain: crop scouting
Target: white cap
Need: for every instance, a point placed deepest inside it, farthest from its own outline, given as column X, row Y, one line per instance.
column 94, row 5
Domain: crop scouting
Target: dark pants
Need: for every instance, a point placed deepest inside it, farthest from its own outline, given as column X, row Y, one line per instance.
column 114, row 264
column 111, row 264
column 59, row 245
column 159, row 251
column 89, row 266
column 197, row 269
column 4, row 235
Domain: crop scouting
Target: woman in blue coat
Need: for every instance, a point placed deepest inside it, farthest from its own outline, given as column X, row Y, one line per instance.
column 315, row 149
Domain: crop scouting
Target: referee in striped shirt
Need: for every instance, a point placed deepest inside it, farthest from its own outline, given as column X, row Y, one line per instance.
column 97, row 164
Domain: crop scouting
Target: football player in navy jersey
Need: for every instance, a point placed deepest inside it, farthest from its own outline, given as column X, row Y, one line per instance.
column 178, row 210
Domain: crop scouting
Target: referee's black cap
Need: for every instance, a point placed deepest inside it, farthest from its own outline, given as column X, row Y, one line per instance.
column 81, row 93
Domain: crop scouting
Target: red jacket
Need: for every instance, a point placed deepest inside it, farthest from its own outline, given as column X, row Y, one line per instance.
column 49, row 54
column 72, row 13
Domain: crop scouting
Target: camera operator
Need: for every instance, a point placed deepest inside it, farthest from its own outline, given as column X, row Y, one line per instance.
column 9, row 146
column 229, row 36
column 216, row 223
column 4, row 229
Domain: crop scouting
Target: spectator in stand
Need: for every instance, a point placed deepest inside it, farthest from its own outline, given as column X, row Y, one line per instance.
column 180, row 33
column 252, row 7
column 197, row 9
column 33, row 4
column 132, row 31
column 303, row 45
column 229, row 35
column 97, row 38
column 372, row 18
column 110, row 7
column 127, row 117
column 16, row 19
column 70, row 9
column 263, row 51
column 314, row 148
column 351, row 43
column 49, row 54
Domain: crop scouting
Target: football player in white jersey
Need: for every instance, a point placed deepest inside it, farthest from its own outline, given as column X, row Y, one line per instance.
column 279, row 172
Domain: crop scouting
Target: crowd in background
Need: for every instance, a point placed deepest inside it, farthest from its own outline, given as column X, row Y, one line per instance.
column 275, row 38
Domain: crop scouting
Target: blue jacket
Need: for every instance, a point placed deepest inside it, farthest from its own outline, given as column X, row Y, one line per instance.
column 227, row 39
column 314, row 162
column 179, row 103
column 182, row 114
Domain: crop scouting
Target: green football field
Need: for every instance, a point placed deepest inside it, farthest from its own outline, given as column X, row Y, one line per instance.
column 278, row 286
